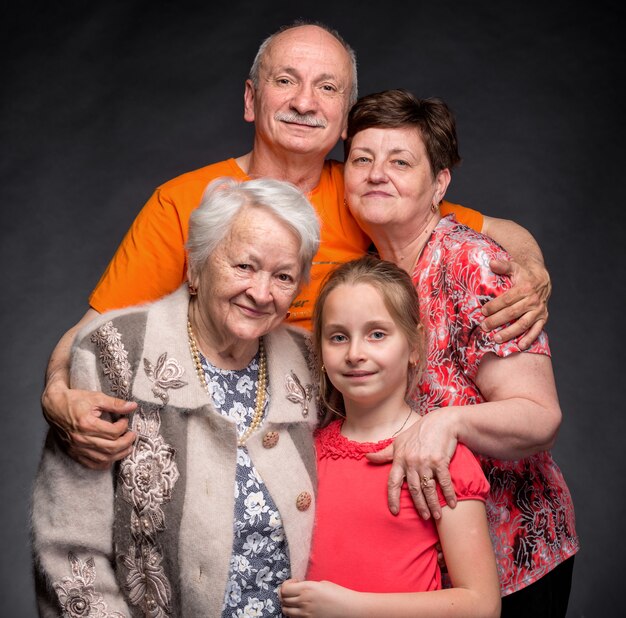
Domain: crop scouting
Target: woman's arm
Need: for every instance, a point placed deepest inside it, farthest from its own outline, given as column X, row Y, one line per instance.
column 471, row 565
column 520, row 417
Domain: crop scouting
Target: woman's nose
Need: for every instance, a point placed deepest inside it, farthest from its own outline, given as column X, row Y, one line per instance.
column 377, row 172
column 260, row 290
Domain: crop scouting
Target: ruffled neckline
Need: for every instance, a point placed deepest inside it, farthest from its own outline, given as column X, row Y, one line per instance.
column 331, row 443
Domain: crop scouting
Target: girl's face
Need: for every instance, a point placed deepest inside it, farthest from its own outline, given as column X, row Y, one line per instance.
column 365, row 353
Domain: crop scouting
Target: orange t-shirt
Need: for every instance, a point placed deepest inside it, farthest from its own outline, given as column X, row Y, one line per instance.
column 151, row 260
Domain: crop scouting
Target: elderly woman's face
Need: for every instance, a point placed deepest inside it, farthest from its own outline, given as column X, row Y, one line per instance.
column 249, row 281
column 388, row 177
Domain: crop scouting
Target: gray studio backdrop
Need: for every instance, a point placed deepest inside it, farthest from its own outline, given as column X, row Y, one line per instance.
column 101, row 102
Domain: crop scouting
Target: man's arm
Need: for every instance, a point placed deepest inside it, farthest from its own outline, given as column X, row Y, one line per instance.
column 526, row 303
column 94, row 442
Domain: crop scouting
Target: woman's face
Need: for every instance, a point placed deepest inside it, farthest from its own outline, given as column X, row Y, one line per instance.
column 388, row 178
column 249, row 281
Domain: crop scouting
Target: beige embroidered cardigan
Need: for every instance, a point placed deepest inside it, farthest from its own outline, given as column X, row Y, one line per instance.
column 154, row 536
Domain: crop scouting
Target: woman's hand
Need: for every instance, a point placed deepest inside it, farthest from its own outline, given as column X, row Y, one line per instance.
column 76, row 415
column 422, row 455
column 317, row 599
column 525, row 305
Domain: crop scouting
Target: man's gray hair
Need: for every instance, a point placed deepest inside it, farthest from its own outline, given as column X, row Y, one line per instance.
column 258, row 60
column 224, row 198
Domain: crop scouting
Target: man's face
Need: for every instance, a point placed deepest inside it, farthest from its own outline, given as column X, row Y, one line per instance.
column 301, row 103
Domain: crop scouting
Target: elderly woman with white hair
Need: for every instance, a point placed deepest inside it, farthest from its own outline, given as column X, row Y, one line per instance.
column 214, row 507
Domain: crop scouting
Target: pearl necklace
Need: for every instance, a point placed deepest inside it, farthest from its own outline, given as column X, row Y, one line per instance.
column 259, row 403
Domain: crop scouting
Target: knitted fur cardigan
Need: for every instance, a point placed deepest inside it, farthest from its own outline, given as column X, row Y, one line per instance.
column 153, row 536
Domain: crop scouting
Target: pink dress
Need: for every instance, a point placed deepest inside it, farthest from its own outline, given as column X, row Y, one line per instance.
column 357, row 542
column 530, row 510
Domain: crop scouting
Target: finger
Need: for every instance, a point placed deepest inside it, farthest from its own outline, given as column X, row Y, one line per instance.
column 504, row 302
column 394, row 486
column 533, row 332
column 414, row 481
column 115, row 406
column 447, row 488
column 503, row 267
column 516, row 329
column 111, row 449
column 381, row 457
column 429, row 490
column 88, row 461
column 526, row 310
column 94, row 426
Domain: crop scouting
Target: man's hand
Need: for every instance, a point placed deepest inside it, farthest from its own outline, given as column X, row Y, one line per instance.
column 92, row 441
column 525, row 305
column 422, row 455
column 310, row 599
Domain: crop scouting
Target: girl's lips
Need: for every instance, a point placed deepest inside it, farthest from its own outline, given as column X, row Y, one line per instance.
column 358, row 374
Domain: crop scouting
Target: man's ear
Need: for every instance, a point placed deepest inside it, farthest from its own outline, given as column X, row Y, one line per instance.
column 248, row 101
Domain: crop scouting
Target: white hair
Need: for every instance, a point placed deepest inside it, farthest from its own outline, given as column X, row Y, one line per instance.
column 258, row 59
column 224, row 199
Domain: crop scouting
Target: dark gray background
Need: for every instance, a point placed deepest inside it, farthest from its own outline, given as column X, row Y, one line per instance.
column 101, row 102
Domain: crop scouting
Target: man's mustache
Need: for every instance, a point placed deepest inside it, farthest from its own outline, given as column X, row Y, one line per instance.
column 306, row 119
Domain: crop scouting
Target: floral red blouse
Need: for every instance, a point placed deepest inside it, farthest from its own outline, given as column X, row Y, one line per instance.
column 530, row 510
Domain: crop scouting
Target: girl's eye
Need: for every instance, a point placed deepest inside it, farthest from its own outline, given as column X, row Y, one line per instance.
column 338, row 338
column 377, row 334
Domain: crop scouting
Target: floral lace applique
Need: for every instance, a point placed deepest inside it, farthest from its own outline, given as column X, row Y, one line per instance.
column 77, row 595
column 330, row 443
column 147, row 475
column 114, row 358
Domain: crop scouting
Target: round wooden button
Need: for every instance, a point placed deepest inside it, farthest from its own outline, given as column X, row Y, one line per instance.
column 270, row 439
column 303, row 501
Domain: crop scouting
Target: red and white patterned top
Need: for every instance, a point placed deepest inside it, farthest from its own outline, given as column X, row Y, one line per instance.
column 530, row 510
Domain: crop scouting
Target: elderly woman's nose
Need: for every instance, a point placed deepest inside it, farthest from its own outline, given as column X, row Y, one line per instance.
column 260, row 289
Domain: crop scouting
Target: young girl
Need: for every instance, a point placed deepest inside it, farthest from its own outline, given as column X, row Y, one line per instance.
column 368, row 341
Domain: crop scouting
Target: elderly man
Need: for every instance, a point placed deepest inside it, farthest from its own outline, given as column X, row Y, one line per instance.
column 301, row 85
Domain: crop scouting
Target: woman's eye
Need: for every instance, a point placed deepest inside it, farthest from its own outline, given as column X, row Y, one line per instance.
column 401, row 163
column 360, row 160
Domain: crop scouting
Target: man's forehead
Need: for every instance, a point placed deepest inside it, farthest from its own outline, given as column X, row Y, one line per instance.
column 290, row 50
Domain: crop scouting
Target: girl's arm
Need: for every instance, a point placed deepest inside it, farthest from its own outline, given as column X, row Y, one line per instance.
column 471, row 565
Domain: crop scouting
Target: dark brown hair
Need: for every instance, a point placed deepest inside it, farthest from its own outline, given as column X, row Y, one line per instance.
column 399, row 108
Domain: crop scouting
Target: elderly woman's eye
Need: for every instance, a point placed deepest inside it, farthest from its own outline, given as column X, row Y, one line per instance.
column 284, row 277
column 243, row 266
